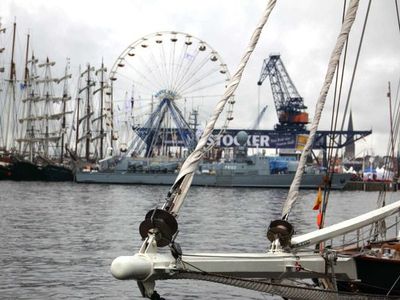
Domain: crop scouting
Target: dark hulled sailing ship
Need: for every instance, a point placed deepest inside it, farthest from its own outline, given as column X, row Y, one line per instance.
column 29, row 124
column 40, row 154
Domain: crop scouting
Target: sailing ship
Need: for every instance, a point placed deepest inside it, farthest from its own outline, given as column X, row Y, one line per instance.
column 336, row 273
column 43, row 128
column 33, row 121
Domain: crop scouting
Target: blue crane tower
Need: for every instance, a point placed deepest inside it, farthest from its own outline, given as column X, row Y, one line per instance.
column 292, row 115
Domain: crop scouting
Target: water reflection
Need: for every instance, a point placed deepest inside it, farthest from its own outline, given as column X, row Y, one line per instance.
column 57, row 240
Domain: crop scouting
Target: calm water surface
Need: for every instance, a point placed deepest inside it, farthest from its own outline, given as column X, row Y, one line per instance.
column 57, row 240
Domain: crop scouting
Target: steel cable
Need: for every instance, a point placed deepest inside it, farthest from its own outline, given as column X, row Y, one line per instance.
column 335, row 158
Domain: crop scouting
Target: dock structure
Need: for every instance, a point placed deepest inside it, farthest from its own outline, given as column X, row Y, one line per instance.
column 371, row 186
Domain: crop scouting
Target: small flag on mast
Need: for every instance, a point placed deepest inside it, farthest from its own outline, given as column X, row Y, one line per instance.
column 319, row 220
column 318, row 200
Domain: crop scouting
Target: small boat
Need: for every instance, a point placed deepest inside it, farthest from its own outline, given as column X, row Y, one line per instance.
column 370, row 260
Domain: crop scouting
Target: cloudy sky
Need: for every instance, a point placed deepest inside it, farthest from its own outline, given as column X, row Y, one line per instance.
column 303, row 32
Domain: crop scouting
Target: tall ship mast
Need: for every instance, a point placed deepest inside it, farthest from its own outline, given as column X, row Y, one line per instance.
column 42, row 112
column 98, row 122
column 49, row 118
column 29, row 126
column 84, row 115
column 66, row 97
column 2, row 84
column 9, row 102
column 91, row 117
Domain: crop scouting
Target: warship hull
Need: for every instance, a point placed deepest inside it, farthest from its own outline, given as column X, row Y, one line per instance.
column 310, row 181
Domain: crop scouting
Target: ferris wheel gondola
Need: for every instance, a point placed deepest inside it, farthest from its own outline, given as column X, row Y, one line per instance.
column 163, row 88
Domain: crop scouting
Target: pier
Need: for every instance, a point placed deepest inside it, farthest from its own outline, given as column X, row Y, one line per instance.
column 370, row 186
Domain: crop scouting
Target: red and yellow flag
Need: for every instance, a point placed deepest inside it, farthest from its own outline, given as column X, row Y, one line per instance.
column 318, row 200
column 319, row 220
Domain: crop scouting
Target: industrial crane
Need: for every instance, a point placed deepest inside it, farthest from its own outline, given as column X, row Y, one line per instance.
column 292, row 115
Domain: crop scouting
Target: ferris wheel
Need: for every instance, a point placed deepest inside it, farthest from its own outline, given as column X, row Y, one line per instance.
column 164, row 87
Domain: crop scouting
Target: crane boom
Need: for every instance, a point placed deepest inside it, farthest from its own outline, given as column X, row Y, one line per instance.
column 259, row 117
column 289, row 104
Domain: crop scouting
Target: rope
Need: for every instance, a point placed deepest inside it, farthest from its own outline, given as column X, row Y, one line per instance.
column 334, row 60
column 326, row 194
column 305, row 291
column 283, row 290
column 394, row 284
column 335, row 114
column 179, row 189
column 355, row 65
column 380, row 227
column 397, row 14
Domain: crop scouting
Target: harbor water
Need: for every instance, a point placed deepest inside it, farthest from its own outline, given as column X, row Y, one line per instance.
column 57, row 240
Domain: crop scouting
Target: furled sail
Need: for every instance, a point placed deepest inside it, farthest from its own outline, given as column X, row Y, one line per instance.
column 182, row 183
column 333, row 63
column 57, row 116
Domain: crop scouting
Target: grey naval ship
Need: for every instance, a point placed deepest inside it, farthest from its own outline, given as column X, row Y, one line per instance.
column 242, row 171
column 254, row 172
